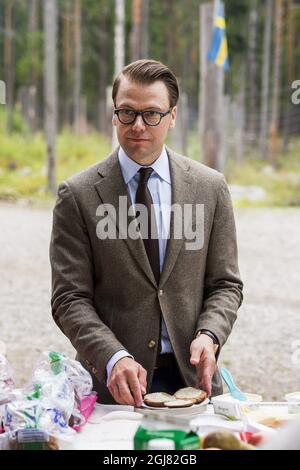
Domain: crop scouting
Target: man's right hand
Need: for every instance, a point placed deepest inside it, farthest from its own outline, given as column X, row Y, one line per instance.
column 128, row 382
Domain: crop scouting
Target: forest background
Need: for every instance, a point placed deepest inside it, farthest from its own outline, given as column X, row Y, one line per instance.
column 260, row 123
column 57, row 62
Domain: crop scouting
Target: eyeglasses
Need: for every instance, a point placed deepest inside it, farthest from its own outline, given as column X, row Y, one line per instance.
column 150, row 118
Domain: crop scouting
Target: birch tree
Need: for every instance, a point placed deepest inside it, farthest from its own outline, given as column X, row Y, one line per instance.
column 265, row 85
column 276, row 83
column 33, row 28
column 290, row 71
column 9, row 67
column 119, row 48
column 50, row 83
column 67, row 61
column 77, row 72
column 252, row 71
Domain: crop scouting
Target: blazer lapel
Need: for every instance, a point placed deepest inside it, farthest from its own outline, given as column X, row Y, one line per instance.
column 181, row 194
column 109, row 188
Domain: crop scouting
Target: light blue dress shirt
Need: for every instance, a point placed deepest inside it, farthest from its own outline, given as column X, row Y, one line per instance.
column 159, row 185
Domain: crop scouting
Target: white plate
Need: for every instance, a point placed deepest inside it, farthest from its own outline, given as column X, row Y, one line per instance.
column 187, row 410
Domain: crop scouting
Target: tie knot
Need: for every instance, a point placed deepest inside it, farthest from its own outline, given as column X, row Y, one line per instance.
column 145, row 174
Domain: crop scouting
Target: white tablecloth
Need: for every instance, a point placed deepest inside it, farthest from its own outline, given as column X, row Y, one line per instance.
column 112, row 427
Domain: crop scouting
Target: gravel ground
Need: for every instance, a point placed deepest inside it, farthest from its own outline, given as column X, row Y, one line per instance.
column 262, row 349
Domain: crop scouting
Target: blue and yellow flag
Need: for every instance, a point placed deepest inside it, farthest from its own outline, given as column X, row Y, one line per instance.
column 218, row 52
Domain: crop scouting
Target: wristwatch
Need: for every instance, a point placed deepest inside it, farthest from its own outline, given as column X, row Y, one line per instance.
column 212, row 336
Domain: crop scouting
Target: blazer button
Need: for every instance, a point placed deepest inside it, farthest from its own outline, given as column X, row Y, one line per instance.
column 160, row 292
column 151, row 344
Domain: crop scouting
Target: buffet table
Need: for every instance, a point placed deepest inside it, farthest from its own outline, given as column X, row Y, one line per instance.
column 112, row 427
column 109, row 427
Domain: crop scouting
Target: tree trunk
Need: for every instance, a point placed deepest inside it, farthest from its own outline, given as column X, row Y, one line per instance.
column 252, row 64
column 290, row 73
column 139, row 38
column 273, row 151
column 103, row 71
column 77, row 75
column 119, row 48
column 212, row 84
column 119, row 36
column 33, row 27
column 50, row 74
column 67, row 63
column 9, row 69
column 145, row 30
column 239, row 118
column 135, row 40
column 264, row 117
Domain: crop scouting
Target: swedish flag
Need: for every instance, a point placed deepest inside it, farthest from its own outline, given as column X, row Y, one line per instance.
column 218, row 52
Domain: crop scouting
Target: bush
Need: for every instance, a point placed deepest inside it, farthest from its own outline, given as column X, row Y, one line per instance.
column 23, row 169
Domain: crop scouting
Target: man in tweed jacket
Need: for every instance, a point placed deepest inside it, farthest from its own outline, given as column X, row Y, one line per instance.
column 136, row 333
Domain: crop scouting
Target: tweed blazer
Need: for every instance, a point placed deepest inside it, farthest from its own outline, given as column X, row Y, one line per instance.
column 104, row 295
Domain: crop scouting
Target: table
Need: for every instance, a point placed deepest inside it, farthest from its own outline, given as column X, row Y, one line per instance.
column 112, row 427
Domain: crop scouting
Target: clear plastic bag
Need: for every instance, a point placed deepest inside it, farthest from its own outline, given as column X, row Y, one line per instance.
column 6, row 380
column 58, row 397
column 34, row 414
column 53, row 391
column 66, row 384
column 56, row 363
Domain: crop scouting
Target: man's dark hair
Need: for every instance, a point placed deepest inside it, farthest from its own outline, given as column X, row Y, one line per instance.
column 147, row 71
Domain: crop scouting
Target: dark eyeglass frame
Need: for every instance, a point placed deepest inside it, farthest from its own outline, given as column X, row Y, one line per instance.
column 141, row 113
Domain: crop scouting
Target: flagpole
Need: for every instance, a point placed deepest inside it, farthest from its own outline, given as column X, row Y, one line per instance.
column 211, row 92
column 216, row 7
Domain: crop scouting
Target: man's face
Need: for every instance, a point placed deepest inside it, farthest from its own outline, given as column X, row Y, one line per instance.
column 141, row 142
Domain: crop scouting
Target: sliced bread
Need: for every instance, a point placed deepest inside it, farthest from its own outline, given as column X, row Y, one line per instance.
column 179, row 403
column 157, row 398
column 190, row 393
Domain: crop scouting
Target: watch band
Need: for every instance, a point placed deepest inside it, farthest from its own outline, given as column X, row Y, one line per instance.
column 210, row 334
column 213, row 337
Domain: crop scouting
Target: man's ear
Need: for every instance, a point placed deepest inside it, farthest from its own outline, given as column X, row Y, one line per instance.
column 172, row 124
column 173, row 118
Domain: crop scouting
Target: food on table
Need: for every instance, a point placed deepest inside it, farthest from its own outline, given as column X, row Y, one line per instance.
column 190, row 393
column 274, row 421
column 212, row 448
column 184, row 397
column 224, row 440
column 258, row 438
column 179, row 403
column 157, row 399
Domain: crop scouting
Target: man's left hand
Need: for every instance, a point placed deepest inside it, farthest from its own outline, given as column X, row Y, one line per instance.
column 203, row 358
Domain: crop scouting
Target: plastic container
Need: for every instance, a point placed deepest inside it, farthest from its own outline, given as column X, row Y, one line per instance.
column 293, row 400
column 230, row 407
column 149, row 431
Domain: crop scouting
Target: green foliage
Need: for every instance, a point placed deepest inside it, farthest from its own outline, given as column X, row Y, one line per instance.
column 23, row 161
column 27, row 62
column 282, row 185
column 173, row 39
column 74, row 153
column 237, row 12
column 23, row 166
column 18, row 123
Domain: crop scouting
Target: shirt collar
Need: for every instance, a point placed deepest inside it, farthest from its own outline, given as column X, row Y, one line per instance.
column 129, row 167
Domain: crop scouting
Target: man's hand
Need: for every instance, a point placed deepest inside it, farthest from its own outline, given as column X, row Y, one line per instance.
column 203, row 358
column 128, row 382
